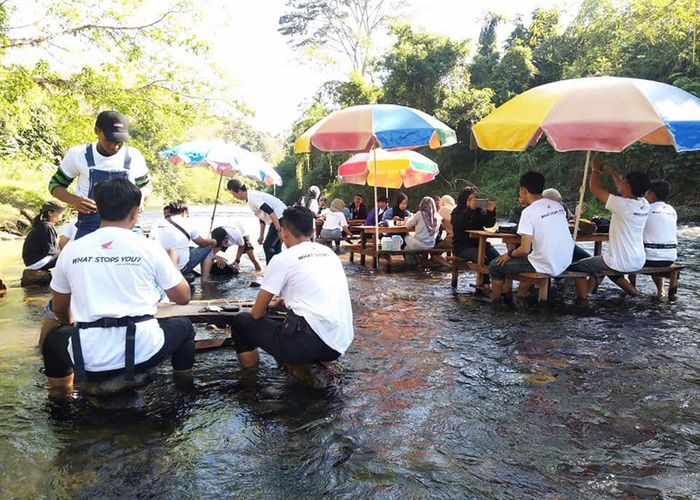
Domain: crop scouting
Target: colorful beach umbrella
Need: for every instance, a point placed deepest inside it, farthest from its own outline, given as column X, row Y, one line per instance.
column 226, row 159
column 605, row 114
column 395, row 169
column 386, row 126
column 371, row 127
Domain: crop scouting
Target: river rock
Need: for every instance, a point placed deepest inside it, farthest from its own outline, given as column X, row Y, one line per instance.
column 31, row 277
column 114, row 385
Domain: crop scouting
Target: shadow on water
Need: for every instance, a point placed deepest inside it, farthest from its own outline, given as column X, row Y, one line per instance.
column 438, row 396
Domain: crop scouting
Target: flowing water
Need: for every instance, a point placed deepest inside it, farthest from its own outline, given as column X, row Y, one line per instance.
column 439, row 396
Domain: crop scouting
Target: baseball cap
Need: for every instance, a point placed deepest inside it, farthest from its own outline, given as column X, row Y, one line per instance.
column 53, row 206
column 113, row 125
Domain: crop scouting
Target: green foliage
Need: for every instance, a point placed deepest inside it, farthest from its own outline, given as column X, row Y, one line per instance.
column 487, row 55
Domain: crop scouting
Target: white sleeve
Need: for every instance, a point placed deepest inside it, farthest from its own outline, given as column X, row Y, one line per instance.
column 69, row 164
column 138, row 163
column 342, row 220
column 167, row 275
column 525, row 225
column 275, row 276
column 413, row 220
column 615, row 203
column 59, row 279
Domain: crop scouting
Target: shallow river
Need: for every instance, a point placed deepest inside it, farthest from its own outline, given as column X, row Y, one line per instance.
column 439, row 397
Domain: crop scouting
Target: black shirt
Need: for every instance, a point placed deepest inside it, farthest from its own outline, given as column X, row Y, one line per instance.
column 469, row 220
column 41, row 241
column 358, row 212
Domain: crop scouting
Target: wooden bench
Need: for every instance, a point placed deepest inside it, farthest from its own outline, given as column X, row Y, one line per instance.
column 460, row 263
column 388, row 254
column 542, row 281
column 671, row 272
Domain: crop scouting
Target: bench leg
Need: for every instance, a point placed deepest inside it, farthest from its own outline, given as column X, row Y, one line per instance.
column 352, row 256
column 632, row 279
column 543, row 294
column 388, row 263
column 455, row 273
column 673, row 285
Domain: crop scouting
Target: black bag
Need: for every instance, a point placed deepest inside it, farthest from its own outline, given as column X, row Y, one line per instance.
column 601, row 223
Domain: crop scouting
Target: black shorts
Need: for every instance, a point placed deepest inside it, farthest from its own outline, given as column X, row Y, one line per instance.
column 179, row 345
column 291, row 342
column 658, row 263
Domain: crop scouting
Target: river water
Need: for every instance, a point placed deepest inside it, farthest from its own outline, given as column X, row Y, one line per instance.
column 439, row 396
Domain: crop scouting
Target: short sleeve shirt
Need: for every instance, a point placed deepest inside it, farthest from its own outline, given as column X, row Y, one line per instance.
column 552, row 246
column 626, row 247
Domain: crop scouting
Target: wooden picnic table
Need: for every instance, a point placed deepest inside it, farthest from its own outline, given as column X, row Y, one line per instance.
column 366, row 232
column 480, row 268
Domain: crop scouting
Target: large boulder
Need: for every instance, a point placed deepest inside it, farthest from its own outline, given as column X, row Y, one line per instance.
column 31, row 277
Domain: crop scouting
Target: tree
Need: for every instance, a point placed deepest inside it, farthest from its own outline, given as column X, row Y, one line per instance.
column 514, row 73
column 345, row 27
column 487, row 55
column 416, row 67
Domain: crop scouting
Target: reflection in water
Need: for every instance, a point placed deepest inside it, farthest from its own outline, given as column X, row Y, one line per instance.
column 439, row 396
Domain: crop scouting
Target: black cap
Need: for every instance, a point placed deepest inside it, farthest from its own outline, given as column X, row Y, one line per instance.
column 113, row 125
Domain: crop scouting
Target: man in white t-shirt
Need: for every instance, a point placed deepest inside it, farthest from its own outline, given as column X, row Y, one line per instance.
column 308, row 279
column 109, row 284
column 268, row 209
column 546, row 245
column 219, row 264
column 625, row 253
column 175, row 233
column 660, row 241
column 100, row 161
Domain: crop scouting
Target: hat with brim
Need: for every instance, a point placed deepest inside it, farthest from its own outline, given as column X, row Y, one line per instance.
column 113, row 125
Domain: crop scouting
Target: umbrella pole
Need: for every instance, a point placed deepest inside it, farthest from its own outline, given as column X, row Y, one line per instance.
column 216, row 202
column 376, row 212
column 582, row 191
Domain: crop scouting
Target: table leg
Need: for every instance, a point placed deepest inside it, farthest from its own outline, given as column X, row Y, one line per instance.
column 597, row 248
column 363, row 245
column 480, row 257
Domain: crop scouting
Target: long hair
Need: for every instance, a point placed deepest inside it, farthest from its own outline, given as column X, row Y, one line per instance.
column 312, row 194
column 395, row 210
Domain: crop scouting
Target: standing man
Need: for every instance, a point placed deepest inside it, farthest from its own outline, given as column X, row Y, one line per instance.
column 106, row 159
column 625, row 252
column 545, row 246
column 268, row 209
column 110, row 282
column 308, row 279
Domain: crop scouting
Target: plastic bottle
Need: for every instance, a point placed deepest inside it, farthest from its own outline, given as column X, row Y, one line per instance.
column 386, row 244
column 397, row 241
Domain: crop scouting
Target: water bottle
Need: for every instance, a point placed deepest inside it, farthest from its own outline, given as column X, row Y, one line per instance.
column 397, row 241
column 386, row 244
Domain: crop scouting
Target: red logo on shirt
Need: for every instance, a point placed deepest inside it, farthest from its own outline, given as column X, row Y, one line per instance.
column 107, row 246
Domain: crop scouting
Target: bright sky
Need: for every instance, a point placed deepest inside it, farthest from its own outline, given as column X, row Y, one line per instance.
column 274, row 81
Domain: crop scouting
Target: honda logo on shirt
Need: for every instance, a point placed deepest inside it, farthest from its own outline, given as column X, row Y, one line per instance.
column 107, row 246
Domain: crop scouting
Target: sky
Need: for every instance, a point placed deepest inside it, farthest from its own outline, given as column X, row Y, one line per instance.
column 275, row 81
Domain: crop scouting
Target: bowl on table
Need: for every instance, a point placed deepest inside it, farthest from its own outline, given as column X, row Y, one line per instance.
column 507, row 227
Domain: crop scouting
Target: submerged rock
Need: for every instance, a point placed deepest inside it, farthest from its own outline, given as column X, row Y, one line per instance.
column 114, row 385
column 31, row 277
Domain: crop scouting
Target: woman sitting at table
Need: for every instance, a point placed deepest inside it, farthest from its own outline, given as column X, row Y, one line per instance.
column 427, row 224
column 447, row 205
column 335, row 223
column 467, row 216
column 398, row 212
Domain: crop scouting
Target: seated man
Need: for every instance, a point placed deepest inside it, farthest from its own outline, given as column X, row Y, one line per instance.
column 625, row 253
column 226, row 236
column 308, row 279
column 358, row 210
column 174, row 233
column 554, row 195
column 660, row 242
column 374, row 216
column 110, row 280
column 545, row 246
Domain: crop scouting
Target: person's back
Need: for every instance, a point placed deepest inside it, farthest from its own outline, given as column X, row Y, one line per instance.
column 660, row 240
column 626, row 247
column 39, row 243
column 125, row 263
column 169, row 235
column 552, row 245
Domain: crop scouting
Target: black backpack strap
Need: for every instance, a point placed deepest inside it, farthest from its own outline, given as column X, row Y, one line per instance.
column 78, row 362
column 127, row 158
column 89, row 156
column 182, row 230
column 130, row 349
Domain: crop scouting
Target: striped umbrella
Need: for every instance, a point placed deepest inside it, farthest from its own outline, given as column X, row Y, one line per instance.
column 394, row 169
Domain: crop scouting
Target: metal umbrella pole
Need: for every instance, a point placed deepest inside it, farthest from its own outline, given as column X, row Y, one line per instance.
column 376, row 212
column 216, row 202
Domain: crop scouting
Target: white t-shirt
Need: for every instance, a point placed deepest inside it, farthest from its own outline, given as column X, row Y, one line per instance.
column 552, row 246
column 626, row 247
column 235, row 234
column 171, row 237
column 74, row 165
column 660, row 229
column 311, row 279
column 335, row 220
column 70, row 228
column 112, row 273
column 256, row 199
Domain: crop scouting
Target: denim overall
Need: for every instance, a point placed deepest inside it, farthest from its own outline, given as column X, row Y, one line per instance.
column 87, row 223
